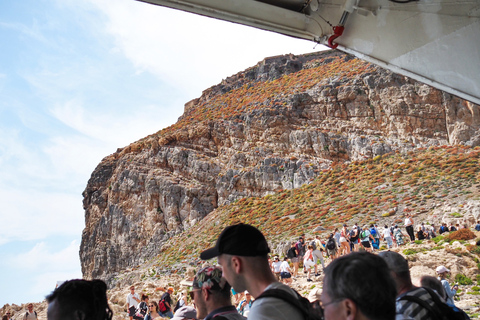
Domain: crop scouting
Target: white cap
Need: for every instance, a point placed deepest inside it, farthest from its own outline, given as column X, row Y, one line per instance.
column 442, row 269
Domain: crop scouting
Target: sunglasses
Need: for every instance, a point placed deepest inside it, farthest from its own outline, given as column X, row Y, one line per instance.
column 192, row 293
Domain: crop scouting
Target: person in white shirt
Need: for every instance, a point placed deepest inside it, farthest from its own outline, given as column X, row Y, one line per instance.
column 276, row 267
column 133, row 299
column 387, row 236
column 285, row 272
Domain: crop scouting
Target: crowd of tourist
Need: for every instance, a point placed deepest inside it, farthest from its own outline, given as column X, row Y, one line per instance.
column 248, row 284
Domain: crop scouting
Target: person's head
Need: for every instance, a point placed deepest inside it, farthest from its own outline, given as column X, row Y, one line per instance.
column 398, row 266
column 153, row 306
column 386, row 227
column 442, row 271
column 170, row 290
column 344, row 295
column 248, row 296
column 132, row 289
column 336, row 229
column 433, row 283
column 242, row 252
column 30, row 307
column 210, row 290
column 310, row 247
column 144, row 297
column 79, row 300
column 185, row 313
column 276, row 259
column 5, row 317
column 8, row 314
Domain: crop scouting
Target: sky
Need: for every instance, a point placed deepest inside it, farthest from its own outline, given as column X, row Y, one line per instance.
column 79, row 79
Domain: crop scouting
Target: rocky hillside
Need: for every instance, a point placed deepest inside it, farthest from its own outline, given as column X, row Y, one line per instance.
column 274, row 127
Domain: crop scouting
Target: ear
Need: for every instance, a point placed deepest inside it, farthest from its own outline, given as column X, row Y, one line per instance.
column 237, row 264
column 350, row 309
column 206, row 294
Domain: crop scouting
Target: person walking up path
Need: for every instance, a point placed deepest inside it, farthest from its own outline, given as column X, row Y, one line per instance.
column 409, row 227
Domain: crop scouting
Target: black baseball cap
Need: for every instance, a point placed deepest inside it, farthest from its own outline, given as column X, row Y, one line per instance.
column 238, row 240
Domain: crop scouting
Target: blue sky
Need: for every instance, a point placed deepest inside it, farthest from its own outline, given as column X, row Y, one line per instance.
column 79, row 79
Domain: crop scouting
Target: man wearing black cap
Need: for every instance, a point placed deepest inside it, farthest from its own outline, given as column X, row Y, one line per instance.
column 242, row 252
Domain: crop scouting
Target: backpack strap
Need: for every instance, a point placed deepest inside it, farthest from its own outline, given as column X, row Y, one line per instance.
column 432, row 312
column 285, row 296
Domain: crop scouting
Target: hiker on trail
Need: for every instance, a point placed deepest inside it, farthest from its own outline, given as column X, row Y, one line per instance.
column 142, row 308
column 181, row 301
column 211, row 295
column 30, row 314
column 308, row 262
column 285, row 272
column 449, row 292
column 276, row 267
column 166, row 300
column 292, row 254
column 432, row 232
column 376, row 237
column 409, row 227
column 354, row 236
column 387, row 236
column 300, row 245
column 132, row 301
column 331, row 246
column 344, row 240
column 242, row 252
column 336, row 236
column 420, row 233
column 317, row 254
column 365, row 237
column 417, row 303
column 7, row 315
column 477, row 226
column 345, row 295
column 452, row 228
column 443, row 228
column 245, row 305
column 79, row 299
column 153, row 312
column 398, row 234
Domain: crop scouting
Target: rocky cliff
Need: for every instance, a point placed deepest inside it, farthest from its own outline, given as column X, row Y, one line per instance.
column 271, row 127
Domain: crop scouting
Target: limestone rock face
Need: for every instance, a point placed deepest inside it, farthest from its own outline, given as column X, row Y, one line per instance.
column 163, row 184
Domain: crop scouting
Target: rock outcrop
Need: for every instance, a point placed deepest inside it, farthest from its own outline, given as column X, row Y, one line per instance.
column 271, row 127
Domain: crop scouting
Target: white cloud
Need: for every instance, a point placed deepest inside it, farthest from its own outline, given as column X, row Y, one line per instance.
column 41, row 258
column 32, row 215
column 189, row 50
column 43, row 266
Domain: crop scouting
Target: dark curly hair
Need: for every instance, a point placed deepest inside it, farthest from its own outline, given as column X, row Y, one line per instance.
column 87, row 297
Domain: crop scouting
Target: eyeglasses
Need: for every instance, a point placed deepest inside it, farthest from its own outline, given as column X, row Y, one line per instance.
column 152, row 306
column 191, row 293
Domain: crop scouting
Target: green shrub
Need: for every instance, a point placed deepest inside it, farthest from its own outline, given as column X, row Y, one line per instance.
column 437, row 239
column 475, row 288
column 418, row 241
column 409, row 251
column 478, row 278
column 463, row 279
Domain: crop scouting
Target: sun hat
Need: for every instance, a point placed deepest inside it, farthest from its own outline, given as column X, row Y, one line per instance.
column 238, row 240
column 395, row 261
column 209, row 278
column 170, row 289
column 442, row 269
column 188, row 312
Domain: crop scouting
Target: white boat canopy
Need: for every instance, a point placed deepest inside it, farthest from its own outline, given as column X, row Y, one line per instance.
column 433, row 41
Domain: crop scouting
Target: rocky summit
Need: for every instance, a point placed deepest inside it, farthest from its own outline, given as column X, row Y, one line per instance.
column 274, row 127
